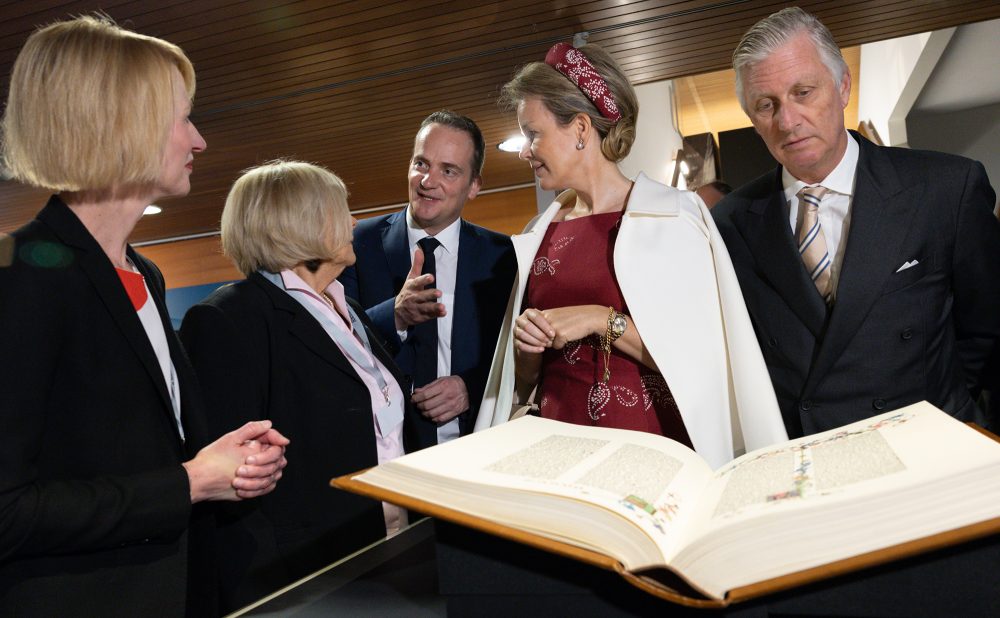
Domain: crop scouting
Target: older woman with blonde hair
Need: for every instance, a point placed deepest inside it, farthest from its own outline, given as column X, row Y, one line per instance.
column 625, row 312
column 285, row 344
column 105, row 453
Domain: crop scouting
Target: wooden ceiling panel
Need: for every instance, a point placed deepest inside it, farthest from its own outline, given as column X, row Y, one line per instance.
column 346, row 83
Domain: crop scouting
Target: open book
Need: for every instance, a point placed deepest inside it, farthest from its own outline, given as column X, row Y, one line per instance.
column 887, row 487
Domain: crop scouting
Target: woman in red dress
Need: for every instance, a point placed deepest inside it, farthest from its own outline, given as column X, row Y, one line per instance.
column 572, row 286
column 574, row 330
column 626, row 312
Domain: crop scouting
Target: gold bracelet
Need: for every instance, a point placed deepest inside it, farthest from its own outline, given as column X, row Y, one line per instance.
column 617, row 324
column 606, row 344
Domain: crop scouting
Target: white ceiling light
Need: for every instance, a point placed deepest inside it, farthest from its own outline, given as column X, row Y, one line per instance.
column 514, row 144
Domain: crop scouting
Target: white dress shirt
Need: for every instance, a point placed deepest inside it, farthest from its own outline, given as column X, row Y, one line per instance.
column 151, row 321
column 835, row 209
column 445, row 269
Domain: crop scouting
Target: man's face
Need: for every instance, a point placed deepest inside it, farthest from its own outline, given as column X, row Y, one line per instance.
column 798, row 110
column 441, row 176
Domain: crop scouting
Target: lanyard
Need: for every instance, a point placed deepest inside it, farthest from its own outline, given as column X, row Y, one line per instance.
column 388, row 416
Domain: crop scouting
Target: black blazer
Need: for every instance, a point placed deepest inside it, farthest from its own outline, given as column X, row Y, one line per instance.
column 94, row 503
column 893, row 337
column 483, row 281
column 260, row 355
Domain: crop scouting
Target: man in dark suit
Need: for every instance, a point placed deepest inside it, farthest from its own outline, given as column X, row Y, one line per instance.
column 872, row 274
column 435, row 285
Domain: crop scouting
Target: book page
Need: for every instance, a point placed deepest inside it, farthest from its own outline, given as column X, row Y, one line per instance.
column 869, row 457
column 645, row 478
column 648, row 501
column 812, row 467
column 635, row 476
column 898, row 477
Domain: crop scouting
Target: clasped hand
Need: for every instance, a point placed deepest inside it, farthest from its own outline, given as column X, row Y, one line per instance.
column 244, row 463
column 536, row 329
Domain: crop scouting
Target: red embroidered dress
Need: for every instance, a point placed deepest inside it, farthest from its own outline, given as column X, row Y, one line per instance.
column 575, row 266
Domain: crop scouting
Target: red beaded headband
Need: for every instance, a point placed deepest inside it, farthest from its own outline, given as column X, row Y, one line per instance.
column 571, row 62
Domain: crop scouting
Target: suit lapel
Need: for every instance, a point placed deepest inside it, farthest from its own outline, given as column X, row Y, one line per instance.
column 98, row 268
column 305, row 328
column 396, row 247
column 195, row 431
column 764, row 227
column 880, row 220
column 464, row 318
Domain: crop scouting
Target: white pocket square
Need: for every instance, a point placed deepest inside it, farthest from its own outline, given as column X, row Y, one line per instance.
column 906, row 265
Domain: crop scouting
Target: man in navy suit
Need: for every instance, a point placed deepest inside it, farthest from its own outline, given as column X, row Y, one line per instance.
column 872, row 274
column 435, row 285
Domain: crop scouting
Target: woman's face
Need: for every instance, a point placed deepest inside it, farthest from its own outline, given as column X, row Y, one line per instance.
column 550, row 148
column 343, row 256
column 183, row 142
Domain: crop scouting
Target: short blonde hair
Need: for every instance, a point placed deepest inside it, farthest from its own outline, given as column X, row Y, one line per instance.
column 90, row 106
column 283, row 213
column 565, row 100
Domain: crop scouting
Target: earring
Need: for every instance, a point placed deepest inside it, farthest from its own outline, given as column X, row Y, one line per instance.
column 579, row 144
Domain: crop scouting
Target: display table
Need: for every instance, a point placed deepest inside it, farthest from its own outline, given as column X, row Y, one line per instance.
column 393, row 577
column 482, row 575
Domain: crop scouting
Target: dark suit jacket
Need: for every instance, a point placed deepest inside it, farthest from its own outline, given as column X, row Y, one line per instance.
column 260, row 355
column 94, row 503
column 891, row 338
column 486, row 267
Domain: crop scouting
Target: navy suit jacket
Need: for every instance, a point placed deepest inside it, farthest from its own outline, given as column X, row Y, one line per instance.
column 893, row 337
column 486, row 267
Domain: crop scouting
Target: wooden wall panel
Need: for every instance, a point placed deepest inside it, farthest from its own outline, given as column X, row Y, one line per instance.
column 199, row 261
column 191, row 262
column 346, row 82
column 506, row 211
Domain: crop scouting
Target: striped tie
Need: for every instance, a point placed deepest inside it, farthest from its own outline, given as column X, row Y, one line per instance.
column 812, row 243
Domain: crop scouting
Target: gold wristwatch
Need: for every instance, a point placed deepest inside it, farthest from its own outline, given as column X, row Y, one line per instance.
column 617, row 323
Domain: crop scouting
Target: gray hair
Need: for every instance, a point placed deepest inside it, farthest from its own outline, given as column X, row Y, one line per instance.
column 283, row 213
column 779, row 28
